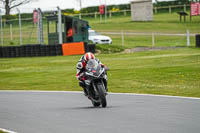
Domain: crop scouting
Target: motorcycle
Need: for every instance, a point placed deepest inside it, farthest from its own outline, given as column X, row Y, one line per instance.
column 96, row 83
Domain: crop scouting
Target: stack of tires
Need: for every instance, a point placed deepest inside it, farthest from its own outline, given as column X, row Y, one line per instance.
column 43, row 50
column 198, row 40
column 1, row 52
column 90, row 47
column 58, row 49
column 22, row 51
column 30, row 51
column 38, row 50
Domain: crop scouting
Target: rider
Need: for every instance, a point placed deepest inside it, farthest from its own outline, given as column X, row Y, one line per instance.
column 81, row 68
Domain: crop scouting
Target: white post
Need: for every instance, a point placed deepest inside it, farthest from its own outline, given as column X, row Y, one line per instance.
column 95, row 15
column 122, row 33
column 105, row 11
column 155, row 9
column 170, row 9
column 124, row 12
column 60, row 26
column 153, row 40
column 20, row 27
column 80, row 4
column 79, row 15
column 110, row 14
column 188, row 38
column 11, row 33
column 40, row 27
column 1, row 29
column 185, row 8
column 100, row 18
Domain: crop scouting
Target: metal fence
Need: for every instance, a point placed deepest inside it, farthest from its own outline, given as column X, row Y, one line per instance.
column 20, row 31
column 109, row 14
column 133, row 39
column 24, row 31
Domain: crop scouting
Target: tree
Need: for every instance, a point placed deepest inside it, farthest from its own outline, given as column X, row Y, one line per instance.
column 10, row 4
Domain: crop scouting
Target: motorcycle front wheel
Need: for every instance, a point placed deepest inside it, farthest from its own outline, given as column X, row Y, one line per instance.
column 102, row 95
column 96, row 104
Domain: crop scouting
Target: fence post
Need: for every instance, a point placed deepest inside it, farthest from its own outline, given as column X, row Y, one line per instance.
column 124, row 12
column 122, row 33
column 185, row 8
column 20, row 27
column 170, row 9
column 11, row 33
column 79, row 15
column 153, row 40
column 155, row 9
column 188, row 38
column 110, row 14
column 100, row 18
column 1, row 29
column 40, row 27
column 105, row 11
column 60, row 26
column 95, row 15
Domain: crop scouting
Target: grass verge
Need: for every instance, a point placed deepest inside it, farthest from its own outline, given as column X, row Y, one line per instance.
column 3, row 132
column 166, row 72
column 105, row 48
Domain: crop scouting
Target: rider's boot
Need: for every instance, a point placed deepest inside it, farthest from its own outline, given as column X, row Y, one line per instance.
column 81, row 83
column 106, row 87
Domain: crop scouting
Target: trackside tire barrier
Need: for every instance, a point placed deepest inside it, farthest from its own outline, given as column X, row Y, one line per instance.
column 1, row 52
column 90, row 48
column 37, row 50
column 30, row 51
column 197, row 40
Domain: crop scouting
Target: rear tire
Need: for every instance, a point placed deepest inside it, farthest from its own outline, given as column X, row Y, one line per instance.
column 102, row 95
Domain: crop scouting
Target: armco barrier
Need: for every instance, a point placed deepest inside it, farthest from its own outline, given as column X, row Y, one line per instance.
column 38, row 50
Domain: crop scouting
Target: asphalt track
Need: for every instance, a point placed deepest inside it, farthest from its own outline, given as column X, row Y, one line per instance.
column 66, row 112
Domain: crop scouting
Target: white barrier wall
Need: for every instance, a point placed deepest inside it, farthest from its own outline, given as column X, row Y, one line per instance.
column 141, row 10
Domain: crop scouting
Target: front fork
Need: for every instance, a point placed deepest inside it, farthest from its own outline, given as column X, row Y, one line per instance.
column 104, row 86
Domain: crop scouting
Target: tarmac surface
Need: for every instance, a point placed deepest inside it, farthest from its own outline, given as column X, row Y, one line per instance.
column 67, row 112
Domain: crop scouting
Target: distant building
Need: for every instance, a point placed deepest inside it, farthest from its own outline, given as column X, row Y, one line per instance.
column 141, row 10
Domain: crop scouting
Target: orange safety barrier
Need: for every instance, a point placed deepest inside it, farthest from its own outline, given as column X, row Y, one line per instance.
column 73, row 48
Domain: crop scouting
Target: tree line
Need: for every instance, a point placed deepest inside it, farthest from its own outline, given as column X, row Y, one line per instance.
column 127, row 6
column 8, row 5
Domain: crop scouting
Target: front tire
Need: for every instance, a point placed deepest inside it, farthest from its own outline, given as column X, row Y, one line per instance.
column 102, row 95
column 96, row 104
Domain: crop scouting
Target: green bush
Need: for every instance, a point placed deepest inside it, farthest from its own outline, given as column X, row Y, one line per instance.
column 105, row 48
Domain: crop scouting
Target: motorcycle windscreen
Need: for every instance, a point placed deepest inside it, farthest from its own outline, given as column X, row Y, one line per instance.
column 94, row 67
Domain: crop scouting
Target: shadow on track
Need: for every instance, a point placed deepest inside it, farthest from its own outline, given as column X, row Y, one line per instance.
column 91, row 107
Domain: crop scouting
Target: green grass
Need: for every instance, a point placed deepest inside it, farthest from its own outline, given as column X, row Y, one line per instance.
column 160, row 41
column 163, row 23
column 2, row 132
column 166, row 72
column 106, row 49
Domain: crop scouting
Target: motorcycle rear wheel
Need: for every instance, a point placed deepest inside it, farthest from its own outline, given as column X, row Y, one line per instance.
column 102, row 95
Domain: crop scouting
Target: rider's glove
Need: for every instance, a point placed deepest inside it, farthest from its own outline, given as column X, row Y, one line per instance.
column 81, row 76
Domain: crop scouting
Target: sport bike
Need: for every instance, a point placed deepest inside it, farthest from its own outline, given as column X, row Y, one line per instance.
column 96, row 83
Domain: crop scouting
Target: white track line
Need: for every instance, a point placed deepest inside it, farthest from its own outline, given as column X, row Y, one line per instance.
column 79, row 92
column 167, row 96
column 7, row 131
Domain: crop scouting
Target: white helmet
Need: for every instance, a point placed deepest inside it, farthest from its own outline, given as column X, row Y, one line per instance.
column 89, row 56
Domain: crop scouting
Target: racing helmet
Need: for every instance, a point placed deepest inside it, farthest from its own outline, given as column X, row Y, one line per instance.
column 88, row 56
